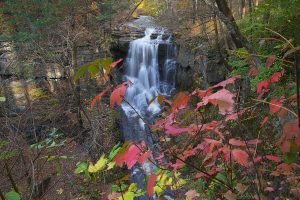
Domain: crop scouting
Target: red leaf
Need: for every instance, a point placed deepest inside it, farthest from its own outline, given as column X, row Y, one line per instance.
column 240, row 156
column 254, row 142
column 130, row 156
column 180, row 102
column 275, row 106
column 290, row 130
column 223, row 98
column 99, row 96
column 115, row 63
column 273, row 158
column 264, row 84
column 179, row 164
column 275, row 77
column 211, row 141
column 144, row 157
column 253, row 71
column 150, row 185
column 257, row 159
column 264, row 121
column 270, row 61
column 171, row 130
column 226, row 82
column 201, row 93
column 237, row 142
column 117, row 95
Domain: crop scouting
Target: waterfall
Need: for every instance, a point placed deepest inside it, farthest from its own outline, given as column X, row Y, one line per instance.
column 143, row 67
column 151, row 69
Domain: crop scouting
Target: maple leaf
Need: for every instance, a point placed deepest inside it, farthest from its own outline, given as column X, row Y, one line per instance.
column 132, row 156
column 263, row 84
column 270, row 61
column 129, row 154
column 115, row 63
column 117, row 95
column 150, row 185
column 223, row 98
column 240, row 156
column 253, row 71
column 99, row 96
column 192, row 194
column 275, row 106
column 273, row 158
column 180, row 102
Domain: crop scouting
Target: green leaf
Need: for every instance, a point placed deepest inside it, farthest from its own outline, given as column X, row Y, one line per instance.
column 2, row 99
column 81, row 167
column 93, row 70
column 114, row 151
column 12, row 196
column 105, row 64
column 50, row 158
column 80, row 72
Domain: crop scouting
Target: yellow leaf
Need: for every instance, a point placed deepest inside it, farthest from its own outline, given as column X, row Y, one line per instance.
column 110, row 165
column 100, row 164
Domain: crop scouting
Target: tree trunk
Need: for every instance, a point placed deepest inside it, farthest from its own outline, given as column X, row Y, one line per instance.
column 225, row 14
column 217, row 44
column 250, row 6
column 243, row 9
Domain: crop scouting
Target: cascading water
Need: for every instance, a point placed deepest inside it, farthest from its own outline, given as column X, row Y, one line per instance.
column 151, row 68
column 143, row 71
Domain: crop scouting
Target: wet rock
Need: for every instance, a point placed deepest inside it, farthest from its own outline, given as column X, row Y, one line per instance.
column 214, row 69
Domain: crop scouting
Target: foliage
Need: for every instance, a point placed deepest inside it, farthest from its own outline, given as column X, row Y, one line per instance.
column 5, row 153
column 12, row 196
column 49, row 142
column 214, row 148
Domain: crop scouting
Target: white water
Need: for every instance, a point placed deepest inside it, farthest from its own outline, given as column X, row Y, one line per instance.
column 143, row 71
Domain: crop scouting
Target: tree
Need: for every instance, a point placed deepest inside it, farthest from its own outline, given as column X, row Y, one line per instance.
column 225, row 14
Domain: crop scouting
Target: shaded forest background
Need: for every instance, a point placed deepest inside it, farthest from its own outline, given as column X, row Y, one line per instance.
column 47, row 125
